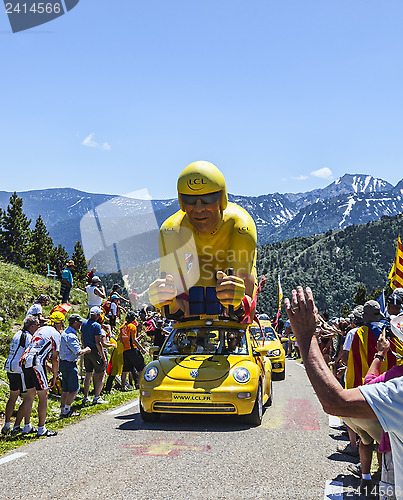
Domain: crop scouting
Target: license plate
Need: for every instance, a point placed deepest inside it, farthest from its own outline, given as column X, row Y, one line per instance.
column 190, row 398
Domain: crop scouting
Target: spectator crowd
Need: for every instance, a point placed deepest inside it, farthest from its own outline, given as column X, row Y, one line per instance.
column 363, row 352
column 106, row 349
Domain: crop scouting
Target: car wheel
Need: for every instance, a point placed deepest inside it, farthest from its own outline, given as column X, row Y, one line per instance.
column 148, row 416
column 279, row 376
column 255, row 418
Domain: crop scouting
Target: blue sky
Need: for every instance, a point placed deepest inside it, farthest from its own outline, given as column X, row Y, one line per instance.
column 120, row 95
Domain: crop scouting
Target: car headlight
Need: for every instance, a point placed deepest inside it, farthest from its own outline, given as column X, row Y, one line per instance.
column 274, row 352
column 242, row 375
column 151, row 373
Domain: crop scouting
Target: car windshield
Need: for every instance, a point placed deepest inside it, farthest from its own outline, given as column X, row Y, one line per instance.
column 269, row 333
column 221, row 341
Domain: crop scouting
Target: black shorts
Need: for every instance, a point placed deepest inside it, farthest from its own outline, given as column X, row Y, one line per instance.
column 93, row 362
column 35, row 378
column 16, row 382
column 132, row 358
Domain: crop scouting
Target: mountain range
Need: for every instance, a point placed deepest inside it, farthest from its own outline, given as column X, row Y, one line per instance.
column 351, row 199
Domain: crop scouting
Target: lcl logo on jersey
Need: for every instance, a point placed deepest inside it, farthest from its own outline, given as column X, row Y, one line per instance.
column 243, row 229
column 26, row 14
column 196, row 184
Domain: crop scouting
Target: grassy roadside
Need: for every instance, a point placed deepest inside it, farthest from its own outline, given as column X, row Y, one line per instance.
column 115, row 398
column 18, row 291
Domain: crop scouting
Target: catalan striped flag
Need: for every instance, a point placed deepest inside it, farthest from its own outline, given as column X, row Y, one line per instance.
column 396, row 273
column 362, row 352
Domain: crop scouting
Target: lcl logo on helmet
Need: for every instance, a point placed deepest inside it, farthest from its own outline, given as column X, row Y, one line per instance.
column 27, row 14
column 196, row 184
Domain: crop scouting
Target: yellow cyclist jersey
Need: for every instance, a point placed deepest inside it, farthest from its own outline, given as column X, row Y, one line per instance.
column 194, row 258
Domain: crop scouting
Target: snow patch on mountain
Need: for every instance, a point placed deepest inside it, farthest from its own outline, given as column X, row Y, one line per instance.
column 351, row 202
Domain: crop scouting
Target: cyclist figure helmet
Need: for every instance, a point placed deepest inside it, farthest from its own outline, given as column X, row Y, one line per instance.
column 202, row 180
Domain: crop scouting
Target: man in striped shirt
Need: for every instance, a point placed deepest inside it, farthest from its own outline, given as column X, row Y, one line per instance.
column 44, row 346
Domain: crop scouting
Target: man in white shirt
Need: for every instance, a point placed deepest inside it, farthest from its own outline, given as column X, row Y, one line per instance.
column 36, row 308
column 16, row 379
column 382, row 400
column 96, row 293
column 44, row 345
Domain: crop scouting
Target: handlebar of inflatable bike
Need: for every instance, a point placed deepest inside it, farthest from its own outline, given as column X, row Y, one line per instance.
column 178, row 314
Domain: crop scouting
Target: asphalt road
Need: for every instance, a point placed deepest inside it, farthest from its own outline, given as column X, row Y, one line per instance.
column 117, row 456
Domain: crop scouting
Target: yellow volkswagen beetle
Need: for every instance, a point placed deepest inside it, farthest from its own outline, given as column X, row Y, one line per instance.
column 268, row 338
column 207, row 366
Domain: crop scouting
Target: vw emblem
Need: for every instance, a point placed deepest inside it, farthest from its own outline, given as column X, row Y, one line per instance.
column 194, row 373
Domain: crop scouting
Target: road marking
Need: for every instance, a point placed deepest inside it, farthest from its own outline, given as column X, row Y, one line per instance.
column 164, row 448
column 11, row 457
column 298, row 413
column 333, row 490
column 301, row 414
column 124, row 408
column 274, row 415
column 335, row 422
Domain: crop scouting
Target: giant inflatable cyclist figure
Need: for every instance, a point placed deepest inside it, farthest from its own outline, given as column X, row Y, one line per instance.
column 201, row 242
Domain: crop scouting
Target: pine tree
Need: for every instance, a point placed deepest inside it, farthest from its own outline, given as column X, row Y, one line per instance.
column 375, row 293
column 1, row 233
column 40, row 248
column 60, row 254
column 14, row 232
column 345, row 310
column 360, row 296
column 80, row 265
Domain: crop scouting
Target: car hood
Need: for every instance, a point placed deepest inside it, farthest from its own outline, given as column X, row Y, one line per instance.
column 270, row 344
column 208, row 367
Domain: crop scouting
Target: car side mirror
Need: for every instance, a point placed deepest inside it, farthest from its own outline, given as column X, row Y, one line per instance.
column 154, row 349
column 261, row 350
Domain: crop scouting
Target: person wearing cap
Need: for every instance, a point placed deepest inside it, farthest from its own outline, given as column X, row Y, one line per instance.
column 356, row 320
column 16, row 380
column 66, row 282
column 394, row 304
column 95, row 292
column 363, row 345
column 44, row 346
column 95, row 361
column 37, row 308
column 113, row 311
column 206, row 237
column 70, row 350
column 382, row 400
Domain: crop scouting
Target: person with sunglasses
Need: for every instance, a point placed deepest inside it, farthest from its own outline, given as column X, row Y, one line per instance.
column 205, row 238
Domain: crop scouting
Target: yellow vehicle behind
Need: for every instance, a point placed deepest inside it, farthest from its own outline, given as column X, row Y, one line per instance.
column 267, row 337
